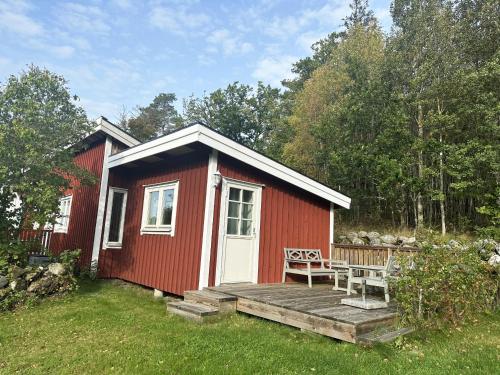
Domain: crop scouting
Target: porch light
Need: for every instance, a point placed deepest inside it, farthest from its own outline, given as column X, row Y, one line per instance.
column 217, row 178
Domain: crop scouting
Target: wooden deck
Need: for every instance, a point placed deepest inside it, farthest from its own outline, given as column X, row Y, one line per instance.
column 317, row 310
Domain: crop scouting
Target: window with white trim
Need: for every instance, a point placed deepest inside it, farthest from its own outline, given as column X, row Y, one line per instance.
column 62, row 221
column 115, row 218
column 159, row 209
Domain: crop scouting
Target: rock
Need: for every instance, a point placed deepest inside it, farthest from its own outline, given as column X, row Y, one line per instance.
column 18, row 285
column 453, row 243
column 372, row 235
column 57, row 269
column 402, row 240
column 4, row 293
column 351, row 236
column 375, row 241
column 410, row 241
column 358, row 241
column 34, row 275
column 44, row 286
column 362, row 234
column 17, row 271
column 3, row 281
column 494, row 260
column 388, row 239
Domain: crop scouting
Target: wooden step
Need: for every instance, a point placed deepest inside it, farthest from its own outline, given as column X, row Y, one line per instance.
column 223, row 302
column 194, row 311
column 375, row 336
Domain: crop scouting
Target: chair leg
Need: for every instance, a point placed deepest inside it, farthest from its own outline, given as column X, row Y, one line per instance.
column 349, row 279
column 284, row 277
column 386, row 292
column 309, row 281
column 336, row 280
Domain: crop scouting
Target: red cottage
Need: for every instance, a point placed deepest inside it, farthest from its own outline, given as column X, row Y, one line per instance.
column 190, row 209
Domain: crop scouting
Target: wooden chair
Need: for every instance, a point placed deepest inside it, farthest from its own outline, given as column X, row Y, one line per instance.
column 378, row 276
column 311, row 264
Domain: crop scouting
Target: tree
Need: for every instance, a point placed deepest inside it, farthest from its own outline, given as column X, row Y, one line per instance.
column 360, row 15
column 157, row 119
column 248, row 116
column 40, row 128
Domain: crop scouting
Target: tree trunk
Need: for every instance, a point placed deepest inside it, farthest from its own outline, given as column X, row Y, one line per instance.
column 442, row 196
column 420, row 166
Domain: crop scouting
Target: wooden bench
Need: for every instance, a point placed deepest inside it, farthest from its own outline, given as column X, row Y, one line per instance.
column 378, row 276
column 311, row 263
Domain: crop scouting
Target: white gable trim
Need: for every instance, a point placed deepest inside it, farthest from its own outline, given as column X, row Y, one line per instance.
column 202, row 134
column 115, row 132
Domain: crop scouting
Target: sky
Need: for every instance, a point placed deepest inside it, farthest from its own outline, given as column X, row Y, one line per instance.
column 119, row 54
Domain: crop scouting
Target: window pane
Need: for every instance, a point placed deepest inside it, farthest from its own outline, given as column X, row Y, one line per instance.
column 232, row 226
column 247, row 211
column 246, row 227
column 233, row 210
column 234, row 194
column 153, row 207
column 116, row 217
column 247, row 196
column 168, row 199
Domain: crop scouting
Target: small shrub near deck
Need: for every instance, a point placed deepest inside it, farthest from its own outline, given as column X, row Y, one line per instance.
column 445, row 285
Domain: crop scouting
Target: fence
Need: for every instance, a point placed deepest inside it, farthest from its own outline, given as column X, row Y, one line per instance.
column 367, row 254
column 40, row 240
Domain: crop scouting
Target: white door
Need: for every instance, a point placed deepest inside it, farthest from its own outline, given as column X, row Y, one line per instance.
column 239, row 232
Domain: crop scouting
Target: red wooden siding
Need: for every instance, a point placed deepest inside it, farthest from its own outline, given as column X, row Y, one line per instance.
column 83, row 208
column 159, row 261
column 290, row 217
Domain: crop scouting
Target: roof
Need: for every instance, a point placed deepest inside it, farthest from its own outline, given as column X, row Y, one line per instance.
column 200, row 133
column 107, row 127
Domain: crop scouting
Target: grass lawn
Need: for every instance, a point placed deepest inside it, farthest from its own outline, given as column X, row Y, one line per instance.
column 110, row 327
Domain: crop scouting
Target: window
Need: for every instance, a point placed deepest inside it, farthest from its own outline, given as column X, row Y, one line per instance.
column 115, row 218
column 62, row 222
column 158, row 212
column 240, row 212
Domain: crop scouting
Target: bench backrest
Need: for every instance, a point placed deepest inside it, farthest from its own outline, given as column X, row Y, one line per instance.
column 303, row 254
column 390, row 266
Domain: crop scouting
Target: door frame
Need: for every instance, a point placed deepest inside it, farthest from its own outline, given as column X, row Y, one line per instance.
column 226, row 183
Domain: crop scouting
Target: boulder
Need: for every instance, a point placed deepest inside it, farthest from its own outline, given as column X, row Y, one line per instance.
column 375, row 241
column 494, row 260
column 388, row 239
column 4, row 293
column 3, row 281
column 362, row 234
column 34, row 275
column 57, row 269
column 18, row 285
column 402, row 240
column 358, row 241
column 372, row 235
column 410, row 241
column 17, row 272
column 351, row 236
column 44, row 286
column 453, row 243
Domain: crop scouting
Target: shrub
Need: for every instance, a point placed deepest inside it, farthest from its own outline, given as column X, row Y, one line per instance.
column 444, row 285
column 13, row 253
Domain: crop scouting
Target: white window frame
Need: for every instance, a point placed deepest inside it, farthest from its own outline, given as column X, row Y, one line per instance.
column 114, row 245
column 63, row 227
column 159, row 229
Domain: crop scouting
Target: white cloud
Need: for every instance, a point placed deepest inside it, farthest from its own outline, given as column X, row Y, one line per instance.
column 227, row 42
column 178, row 20
column 13, row 18
column 273, row 69
column 82, row 18
column 123, row 4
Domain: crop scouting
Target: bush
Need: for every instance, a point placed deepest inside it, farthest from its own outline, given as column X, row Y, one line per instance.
column 444, row 285
column 14, row 253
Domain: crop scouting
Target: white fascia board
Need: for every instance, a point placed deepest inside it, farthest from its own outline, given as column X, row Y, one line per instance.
column 162, row 144
column 116, row 133
column 202, row 134
column 248, row 156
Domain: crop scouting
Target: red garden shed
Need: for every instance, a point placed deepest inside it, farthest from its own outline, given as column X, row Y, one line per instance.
column 190, row 209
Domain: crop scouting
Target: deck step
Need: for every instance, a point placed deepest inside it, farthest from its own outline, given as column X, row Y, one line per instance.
column 194, row 311
column 383, row 336
column 223, row 302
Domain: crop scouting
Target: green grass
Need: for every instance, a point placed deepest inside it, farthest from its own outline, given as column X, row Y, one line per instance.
column 108, row 328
